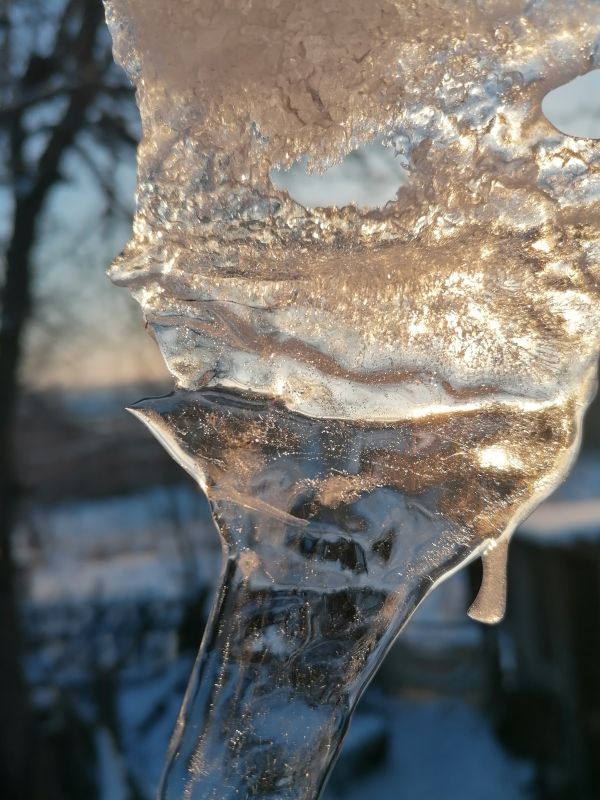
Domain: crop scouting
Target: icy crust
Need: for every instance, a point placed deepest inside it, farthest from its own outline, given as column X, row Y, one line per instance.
column 480, row 280
column 369, row 399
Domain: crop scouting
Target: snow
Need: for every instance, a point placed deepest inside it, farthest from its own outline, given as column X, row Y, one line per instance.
column 573, row 511
column 144, row 545
column 147, row 713
column 563, row 521
column 439, row 751
column 112, row 777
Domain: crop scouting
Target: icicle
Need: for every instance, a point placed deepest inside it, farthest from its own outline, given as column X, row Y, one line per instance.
column 369, row 397
column 490, row 603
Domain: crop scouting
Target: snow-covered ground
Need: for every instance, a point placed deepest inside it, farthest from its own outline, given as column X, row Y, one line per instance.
column 441, row 750
column 573, row 511
column 107, row 581
column 149, row 544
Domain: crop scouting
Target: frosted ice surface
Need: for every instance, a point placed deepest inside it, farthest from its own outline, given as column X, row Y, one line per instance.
column 357, row 314
column 369, row 397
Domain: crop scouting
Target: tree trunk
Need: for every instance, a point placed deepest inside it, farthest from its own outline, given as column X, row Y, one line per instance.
column 19, row 766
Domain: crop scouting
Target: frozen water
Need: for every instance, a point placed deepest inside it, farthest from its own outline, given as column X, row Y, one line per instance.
column 369, row 397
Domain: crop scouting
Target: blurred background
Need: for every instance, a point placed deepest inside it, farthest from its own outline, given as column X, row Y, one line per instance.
column 107, row 551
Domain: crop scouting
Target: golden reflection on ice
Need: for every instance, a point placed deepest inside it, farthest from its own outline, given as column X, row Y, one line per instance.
column 497, row 457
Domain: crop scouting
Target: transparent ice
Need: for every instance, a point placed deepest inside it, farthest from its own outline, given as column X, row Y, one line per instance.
column 369, row 397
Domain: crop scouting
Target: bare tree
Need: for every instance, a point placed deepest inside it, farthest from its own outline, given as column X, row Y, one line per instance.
column 61, row 92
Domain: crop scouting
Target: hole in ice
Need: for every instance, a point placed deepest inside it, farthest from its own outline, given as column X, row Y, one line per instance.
column 368, row 177
column 575, row 107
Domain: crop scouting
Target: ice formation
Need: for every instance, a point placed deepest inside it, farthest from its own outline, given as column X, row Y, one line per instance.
column 369, row 398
